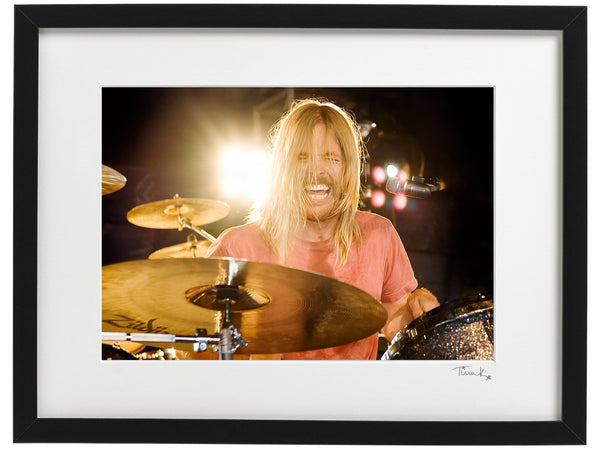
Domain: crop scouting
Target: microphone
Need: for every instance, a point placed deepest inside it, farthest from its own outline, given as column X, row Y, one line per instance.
column 418, row 187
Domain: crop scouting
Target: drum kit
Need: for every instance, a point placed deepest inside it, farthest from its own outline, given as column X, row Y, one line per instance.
column 178, row 300
column 462, row 329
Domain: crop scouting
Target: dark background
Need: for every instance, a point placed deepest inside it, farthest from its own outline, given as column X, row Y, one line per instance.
column 167, row 141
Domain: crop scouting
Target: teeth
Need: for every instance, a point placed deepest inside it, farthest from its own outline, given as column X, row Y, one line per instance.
column 318, row 196
column 318, row 191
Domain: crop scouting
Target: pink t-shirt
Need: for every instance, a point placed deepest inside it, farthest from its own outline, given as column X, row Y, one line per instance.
column 380, row 267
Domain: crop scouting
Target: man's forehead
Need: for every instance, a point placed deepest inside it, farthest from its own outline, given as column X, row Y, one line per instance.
column 328, row 147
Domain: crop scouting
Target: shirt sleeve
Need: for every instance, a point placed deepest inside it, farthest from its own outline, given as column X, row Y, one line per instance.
column 399, row 277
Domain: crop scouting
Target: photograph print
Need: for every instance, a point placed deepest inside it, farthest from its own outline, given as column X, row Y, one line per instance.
column 297, row 223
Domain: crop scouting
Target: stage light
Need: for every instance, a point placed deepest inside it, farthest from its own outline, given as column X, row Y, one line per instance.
column 391, row 170
column 245, row 172
column 232, row 185
column 378, row 174
column 378, row 198
column 242, row 160
column 400, row 201
column 255, row 188
column 365, row 128
column 402, row 175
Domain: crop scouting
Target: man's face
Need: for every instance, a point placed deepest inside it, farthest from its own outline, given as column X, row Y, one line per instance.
column 325, row 172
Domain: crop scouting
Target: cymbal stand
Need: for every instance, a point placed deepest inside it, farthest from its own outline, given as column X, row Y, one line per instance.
column 185, row 223
column 230, row 338
column 193, row 241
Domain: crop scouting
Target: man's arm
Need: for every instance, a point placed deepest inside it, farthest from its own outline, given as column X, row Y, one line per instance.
column 408, row 308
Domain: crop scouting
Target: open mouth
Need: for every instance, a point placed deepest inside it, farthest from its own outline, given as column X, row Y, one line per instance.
column 318, row 191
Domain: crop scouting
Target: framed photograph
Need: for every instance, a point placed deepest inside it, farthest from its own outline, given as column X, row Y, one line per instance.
column 479, row 112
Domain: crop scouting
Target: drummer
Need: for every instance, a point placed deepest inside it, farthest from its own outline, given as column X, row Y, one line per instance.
column 309, row 219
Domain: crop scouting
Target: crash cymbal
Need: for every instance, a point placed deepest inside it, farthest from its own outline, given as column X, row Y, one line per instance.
column 280, row 309
column 111, row 180
column 196, row 249
column 164, row 214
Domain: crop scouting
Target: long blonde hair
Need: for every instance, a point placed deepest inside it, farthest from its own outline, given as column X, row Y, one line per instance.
column 282, row 212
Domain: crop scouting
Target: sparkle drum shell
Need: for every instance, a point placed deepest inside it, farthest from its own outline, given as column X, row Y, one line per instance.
column 458, row 330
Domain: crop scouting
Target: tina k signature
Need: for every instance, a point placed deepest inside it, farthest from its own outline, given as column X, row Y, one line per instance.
column 469, row 371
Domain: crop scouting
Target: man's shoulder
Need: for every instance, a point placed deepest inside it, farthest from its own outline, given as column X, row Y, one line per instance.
column 243, row 241
column 371, row 221
column 245, row 238
column 247, row 230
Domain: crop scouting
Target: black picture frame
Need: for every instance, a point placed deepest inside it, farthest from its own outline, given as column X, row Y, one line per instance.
column 571, row 21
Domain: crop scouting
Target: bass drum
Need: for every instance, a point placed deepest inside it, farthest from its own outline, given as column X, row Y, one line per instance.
column 462, row 329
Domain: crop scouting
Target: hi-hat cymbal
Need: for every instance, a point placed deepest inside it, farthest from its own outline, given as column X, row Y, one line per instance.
column 111, row 180
column 280, row 309
column 165, row 214
column 195, row 249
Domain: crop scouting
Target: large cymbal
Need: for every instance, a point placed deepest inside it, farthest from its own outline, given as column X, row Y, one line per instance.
column 280, row 309
column 111, row 180
column 195, row 249
column 164, row 214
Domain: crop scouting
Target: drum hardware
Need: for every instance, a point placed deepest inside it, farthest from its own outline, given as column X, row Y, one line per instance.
column 179, row 213
column 226, row 341
column 457, row 330
column 185, row 223
column 200, row 341
column 111, row 180
column 191, row 304
column 229, row 337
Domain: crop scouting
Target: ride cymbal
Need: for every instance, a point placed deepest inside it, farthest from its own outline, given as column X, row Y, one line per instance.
column 280, row 309
column 167, row 214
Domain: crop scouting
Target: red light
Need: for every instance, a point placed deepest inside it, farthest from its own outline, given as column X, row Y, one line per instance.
column 378, row 199
column 378, row 174
column 400, row 201
column 402, row 176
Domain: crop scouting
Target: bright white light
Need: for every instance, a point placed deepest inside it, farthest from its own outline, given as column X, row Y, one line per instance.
column 232, row 185
column 256, row 188
column 245, row 172
column 236, row 160
column 391, row 170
